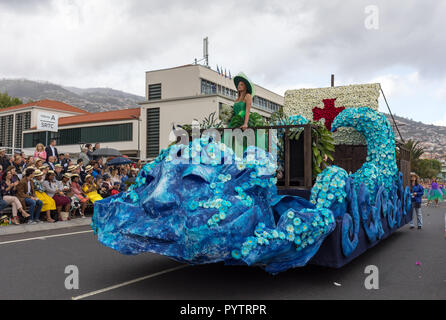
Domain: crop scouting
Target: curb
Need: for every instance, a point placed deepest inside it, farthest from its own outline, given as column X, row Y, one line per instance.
column 23, row 228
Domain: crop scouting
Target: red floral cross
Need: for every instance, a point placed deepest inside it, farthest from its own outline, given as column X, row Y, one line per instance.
column 328, row 112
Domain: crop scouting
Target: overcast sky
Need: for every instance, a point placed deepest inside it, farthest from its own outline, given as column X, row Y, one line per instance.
column 280, row 45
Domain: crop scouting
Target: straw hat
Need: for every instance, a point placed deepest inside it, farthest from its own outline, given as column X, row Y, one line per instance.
column 67, row 175
column 88, row 176
column 72, row 167
column 51, row 172
column 38, row 173
column 88, row 168
column 58, row 166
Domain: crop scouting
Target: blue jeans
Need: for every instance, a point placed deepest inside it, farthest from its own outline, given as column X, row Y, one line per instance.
column 34, row 207
column 3, row 204
column 417, row 211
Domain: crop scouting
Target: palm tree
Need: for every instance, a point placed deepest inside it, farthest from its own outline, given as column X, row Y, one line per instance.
column 415, row 148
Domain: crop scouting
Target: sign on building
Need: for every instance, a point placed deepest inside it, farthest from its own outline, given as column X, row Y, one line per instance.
column 47, row 121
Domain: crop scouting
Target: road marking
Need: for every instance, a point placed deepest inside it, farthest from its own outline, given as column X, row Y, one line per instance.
column 45, row 237
column 129, row 282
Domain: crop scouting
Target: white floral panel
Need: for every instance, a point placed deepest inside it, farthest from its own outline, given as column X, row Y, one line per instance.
column 302, row 101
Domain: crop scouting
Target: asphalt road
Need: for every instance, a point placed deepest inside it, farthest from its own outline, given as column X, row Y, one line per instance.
column 34, row 269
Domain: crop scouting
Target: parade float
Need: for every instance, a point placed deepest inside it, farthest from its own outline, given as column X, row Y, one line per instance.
column 200, row 203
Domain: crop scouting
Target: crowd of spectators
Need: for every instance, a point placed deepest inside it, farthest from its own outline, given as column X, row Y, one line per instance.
column 49, row 186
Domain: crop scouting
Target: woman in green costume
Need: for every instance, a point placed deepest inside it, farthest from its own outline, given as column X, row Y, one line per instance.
column 243, row 117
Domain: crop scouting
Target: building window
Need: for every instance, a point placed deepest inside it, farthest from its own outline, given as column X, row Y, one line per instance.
column 109, row 133
column 153, row 132
column 27, row 121
column 30, row 140
column 155, row 91
column 3, row 131
column 6, row 131
column 265, row 104
column 22, row 122
column 208, row 87
column 18, row 130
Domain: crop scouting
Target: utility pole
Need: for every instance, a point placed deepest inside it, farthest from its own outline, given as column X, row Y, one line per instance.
column 332, row 80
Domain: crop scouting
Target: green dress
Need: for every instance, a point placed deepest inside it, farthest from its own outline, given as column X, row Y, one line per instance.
column 255, row 120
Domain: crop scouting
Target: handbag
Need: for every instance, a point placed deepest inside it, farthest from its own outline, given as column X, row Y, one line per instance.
column 64, row 215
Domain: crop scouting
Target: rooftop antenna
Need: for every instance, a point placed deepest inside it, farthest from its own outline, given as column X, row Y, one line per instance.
column 205, row 51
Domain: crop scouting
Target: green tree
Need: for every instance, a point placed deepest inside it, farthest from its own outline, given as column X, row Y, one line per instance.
column 426, row 168
column 7, row 101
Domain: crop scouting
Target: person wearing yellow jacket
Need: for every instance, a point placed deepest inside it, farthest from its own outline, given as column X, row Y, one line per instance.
column 91, row 189
column 48, row 202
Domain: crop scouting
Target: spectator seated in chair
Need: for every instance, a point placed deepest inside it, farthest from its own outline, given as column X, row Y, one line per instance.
column 78, row 195
column 28, row 197
column 58, row 171
column 116, row 189
column 55, row 190
column 47, row 201
column 8, row 195
column 91, row 189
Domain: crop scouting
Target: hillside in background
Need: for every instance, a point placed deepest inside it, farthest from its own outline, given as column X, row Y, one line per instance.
column 433, row 137
column 91, row 100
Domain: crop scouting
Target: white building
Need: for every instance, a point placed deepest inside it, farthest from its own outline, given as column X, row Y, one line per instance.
column 113, row 129
column 14, row 120
column 181, row 94
column 118, row 129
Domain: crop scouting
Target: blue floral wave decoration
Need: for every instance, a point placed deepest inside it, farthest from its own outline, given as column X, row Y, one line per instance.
column 205, row 210
column 350, row 221
column 374, row 194
column 380, row 168
column 191, row 205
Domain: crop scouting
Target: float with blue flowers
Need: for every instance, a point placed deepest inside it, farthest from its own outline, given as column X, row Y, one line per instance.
column 332, row 190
